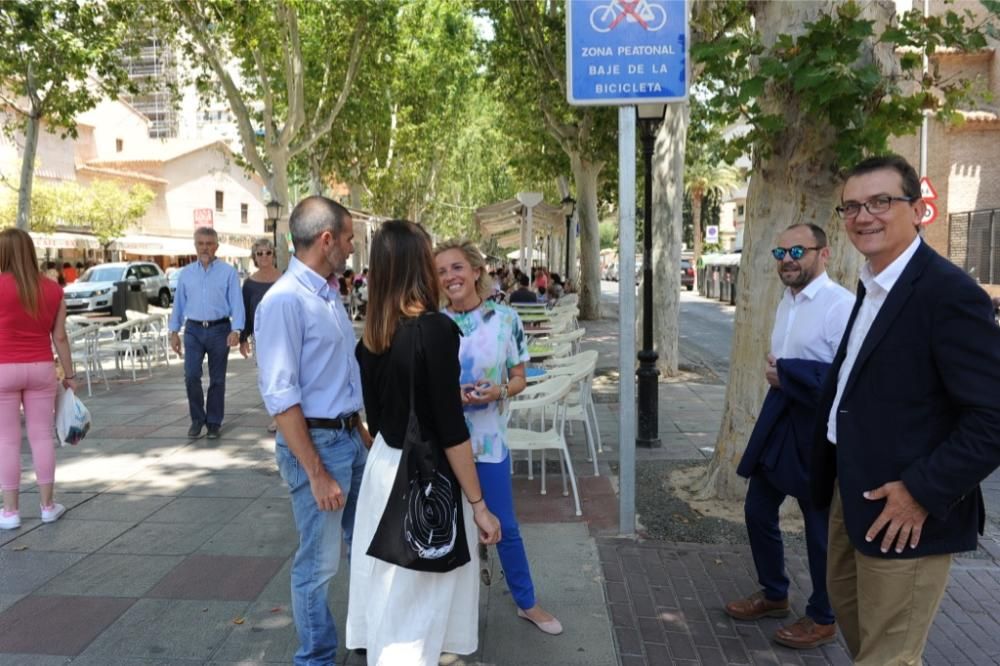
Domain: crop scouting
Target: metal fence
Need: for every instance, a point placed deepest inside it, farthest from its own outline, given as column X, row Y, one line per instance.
column 974, row 243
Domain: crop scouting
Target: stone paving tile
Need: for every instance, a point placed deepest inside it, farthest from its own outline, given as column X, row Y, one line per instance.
column 118, row 507
column 698, row 577
column 111, row 575
column 193, row 510
column 21, row 572
column 218, row 577
column 57, row 625
column 162, row 539
column 69, row 536
column 168, row 630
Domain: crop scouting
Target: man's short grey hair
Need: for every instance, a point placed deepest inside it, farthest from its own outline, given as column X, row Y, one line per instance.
column 312, row 216
column 206, row 231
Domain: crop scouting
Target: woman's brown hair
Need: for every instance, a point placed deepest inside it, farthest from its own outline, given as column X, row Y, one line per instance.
column 484, row 283
column 17, row 257
column 402, row 282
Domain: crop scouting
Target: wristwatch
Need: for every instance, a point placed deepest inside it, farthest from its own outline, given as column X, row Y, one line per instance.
column 503, row 392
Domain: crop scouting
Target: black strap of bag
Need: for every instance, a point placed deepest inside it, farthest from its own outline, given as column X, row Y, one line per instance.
column 422, row 526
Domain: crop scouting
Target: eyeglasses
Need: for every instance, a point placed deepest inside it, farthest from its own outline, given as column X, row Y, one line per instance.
column 875, row 205
column 796, row 252
column 264, row 253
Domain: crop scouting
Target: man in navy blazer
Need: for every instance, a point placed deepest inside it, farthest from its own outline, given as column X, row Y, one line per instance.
column 909, row 422
column 808, row 326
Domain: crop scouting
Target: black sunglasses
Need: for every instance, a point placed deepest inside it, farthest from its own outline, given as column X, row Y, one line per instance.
column 264, row 253
column 796, row 251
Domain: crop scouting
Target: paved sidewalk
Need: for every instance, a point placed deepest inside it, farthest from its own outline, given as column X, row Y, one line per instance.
column 178, row 552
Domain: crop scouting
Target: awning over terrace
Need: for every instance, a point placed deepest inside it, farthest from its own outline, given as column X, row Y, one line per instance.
column 521, row 223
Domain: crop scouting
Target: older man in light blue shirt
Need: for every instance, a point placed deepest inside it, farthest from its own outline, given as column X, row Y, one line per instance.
column 311, row 384
column 209, row 306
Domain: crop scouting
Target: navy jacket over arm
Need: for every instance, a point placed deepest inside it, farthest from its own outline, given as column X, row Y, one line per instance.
column 783, row 435
column 921, row 405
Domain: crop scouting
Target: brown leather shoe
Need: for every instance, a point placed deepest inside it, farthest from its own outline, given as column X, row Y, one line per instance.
column 757, row 606
column 804, row 634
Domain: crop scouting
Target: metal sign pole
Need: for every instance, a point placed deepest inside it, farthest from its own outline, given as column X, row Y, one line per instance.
column 626, row 320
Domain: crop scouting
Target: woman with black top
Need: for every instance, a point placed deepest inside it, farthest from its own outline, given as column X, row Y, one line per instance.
column 254, row 287
column 399, row 615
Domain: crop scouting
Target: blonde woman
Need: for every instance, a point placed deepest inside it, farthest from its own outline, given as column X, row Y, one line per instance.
column 32, row 320
column 254, row 287
column 492, row 355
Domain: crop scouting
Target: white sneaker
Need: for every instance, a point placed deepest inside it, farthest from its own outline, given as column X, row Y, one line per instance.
column 52, row 514
column 9, row 521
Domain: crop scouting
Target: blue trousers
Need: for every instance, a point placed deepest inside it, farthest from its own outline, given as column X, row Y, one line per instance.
column 199, row 342
column 320, row 533
column 761, row 508
column 494, row 478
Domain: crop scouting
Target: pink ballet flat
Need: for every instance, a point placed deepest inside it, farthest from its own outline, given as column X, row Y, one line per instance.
column 551, row 627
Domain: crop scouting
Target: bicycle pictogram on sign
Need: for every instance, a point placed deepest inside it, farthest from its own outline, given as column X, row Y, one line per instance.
column 650, row 15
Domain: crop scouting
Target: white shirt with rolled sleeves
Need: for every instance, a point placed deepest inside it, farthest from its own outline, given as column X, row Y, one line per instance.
column 810, row 324
column 305, row 347
column 877, row 287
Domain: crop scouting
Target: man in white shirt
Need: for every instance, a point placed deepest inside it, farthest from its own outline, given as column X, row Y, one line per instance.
column 910, row 422
column 311, row 385
column 808, row 326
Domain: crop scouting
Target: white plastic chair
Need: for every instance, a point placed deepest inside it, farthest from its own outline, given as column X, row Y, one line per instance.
column 122, row 343
column 83, row 347
column 579, row 404
column 544, row 406
column 573, row 337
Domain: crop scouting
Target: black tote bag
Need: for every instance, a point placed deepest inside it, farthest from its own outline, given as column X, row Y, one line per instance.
column 422, row 527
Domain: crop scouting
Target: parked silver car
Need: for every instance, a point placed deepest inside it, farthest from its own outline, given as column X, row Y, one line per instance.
column 92, row 291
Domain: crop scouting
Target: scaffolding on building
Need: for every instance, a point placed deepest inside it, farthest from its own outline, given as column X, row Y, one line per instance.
column 153, row 67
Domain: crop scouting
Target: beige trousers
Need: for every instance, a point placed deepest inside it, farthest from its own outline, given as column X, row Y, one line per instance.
column 884, row 606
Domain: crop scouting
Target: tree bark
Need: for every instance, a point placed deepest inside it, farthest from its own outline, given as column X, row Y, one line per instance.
column 279, row 190
column 585, row 174
column 668, row 210
column 27, row 172
column 796, row 184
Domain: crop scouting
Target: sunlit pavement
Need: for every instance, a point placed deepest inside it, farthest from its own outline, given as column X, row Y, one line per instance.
column 178, row 552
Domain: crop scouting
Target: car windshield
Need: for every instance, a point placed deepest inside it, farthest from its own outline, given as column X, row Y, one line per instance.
column 102, row 274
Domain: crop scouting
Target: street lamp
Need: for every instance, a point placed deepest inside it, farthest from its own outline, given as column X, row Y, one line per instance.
column 650, row 116
column 271, row 224
column 568, row 208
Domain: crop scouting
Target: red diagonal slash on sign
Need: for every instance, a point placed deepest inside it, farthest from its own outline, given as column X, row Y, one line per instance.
column 628, row 9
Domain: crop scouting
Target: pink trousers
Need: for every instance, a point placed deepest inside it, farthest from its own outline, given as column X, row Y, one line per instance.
column 34, row 386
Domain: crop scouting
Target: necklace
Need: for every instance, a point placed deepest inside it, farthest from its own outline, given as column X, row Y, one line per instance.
column 464, row 312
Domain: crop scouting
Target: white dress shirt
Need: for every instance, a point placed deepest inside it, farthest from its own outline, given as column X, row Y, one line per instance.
column 305, row 347
column 809, row 324
column 877, row 287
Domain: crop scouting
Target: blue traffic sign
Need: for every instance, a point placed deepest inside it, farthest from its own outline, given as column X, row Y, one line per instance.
column 621, row 52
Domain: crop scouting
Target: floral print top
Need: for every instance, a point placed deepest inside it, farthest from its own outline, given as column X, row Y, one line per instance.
column 493, row 341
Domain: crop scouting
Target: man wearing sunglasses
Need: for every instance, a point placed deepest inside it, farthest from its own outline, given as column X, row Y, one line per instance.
column 808, row 325
column 909, row 422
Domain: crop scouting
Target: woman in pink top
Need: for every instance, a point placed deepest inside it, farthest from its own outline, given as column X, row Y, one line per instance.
column 32, row 320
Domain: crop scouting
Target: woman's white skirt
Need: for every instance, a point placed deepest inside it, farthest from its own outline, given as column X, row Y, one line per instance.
column 405, row 617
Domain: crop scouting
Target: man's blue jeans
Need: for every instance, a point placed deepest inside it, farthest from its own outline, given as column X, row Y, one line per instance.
column 318, row 557
column 199, row 342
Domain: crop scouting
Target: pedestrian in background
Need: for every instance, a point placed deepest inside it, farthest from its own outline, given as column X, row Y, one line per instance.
column 909, row 422
column 69, row 273
column 32, row 322
column 808, row 325
column 403, row 616
column 492, row 354
column 209, row 305
column 311, row 386
column 254, row 288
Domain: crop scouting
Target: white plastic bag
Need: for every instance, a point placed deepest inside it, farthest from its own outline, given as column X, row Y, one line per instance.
column 72, row 417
